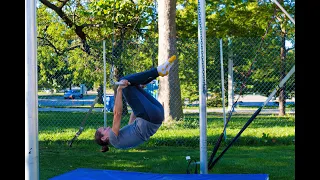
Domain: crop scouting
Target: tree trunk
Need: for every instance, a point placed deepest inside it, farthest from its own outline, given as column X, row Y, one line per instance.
column 282, row 92
column 169, row 86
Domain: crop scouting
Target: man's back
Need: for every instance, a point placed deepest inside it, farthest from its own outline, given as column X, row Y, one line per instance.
column 133, row 134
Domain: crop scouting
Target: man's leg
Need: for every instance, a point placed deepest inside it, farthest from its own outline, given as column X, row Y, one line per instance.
column 139, row 104
column 156, row 111
column 143, row 104
column 142, row 77
column 149, row 75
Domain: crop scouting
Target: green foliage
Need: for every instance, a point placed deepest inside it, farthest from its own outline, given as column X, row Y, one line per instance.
column 227, row 18
column 241, row 24
column 62, row 63
column 214, row 100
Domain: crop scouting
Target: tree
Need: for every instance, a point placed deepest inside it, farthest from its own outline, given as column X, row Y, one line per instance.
column 130, row 29
column 169, row 86
column 283, row 26
column 68, row 27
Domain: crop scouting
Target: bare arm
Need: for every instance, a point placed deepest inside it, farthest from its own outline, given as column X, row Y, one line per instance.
column 117, row 109
column 117, row 112
column 132, row 118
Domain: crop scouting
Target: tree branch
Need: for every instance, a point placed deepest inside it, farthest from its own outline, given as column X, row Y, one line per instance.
column 287, row 50
column 47, row 42
column 63, row 16
column 91, row 25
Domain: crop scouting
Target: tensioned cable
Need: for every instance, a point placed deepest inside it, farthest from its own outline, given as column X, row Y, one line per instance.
column 84, row 121
column 215, row 149
column 253, row 116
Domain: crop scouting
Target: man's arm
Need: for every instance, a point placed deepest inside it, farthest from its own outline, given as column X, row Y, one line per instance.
column 117, row 109
column 117, row 112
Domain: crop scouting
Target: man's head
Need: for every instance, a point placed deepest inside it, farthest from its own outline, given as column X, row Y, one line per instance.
column 102, row 138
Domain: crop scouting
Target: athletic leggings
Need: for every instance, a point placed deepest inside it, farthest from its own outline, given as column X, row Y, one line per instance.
column 143, row 104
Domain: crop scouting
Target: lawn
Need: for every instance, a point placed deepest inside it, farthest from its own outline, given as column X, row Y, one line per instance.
column 266, row 146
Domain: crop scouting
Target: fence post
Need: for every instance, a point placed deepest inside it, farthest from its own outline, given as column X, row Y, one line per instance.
column 222, row 89
column 31, row 93
column 202, row 87
column 230, row 81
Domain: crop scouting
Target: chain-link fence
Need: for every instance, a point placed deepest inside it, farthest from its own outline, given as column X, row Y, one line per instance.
column 252, row 70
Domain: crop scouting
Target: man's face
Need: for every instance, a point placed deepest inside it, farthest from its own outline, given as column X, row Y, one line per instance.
column 105, row 132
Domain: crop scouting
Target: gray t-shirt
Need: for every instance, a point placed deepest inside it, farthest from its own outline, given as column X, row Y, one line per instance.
column 133, row 134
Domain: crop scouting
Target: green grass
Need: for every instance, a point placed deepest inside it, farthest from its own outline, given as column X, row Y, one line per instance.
column 266, row 146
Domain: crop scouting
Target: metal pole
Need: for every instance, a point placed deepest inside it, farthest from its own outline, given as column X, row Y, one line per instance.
column 222, row 89
column 285, row 12
column 230, row 84
column 202, row 86
column 104, row 84
column 31, row 93
column 230, row 77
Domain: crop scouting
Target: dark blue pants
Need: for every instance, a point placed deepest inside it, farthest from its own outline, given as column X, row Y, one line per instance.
column 143, row 104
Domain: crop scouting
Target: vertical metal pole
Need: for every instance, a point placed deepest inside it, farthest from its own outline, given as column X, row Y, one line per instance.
column 31, row 93
column 230, row 84
column 202, row 86
column 104, row 84
column 222, row 89
column 230, row 79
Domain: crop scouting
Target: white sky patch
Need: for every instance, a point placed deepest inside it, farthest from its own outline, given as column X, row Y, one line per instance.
column 288, row 44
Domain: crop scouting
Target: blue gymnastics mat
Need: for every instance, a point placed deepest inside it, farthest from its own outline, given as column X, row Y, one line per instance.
column 99, row 174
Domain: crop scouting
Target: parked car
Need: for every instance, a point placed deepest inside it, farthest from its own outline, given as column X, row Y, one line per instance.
column 72, row 94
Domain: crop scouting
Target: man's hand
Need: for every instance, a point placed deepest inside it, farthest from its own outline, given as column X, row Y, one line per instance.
column 124, row 84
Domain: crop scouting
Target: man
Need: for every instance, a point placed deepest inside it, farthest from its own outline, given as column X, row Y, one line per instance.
column 147, row 113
